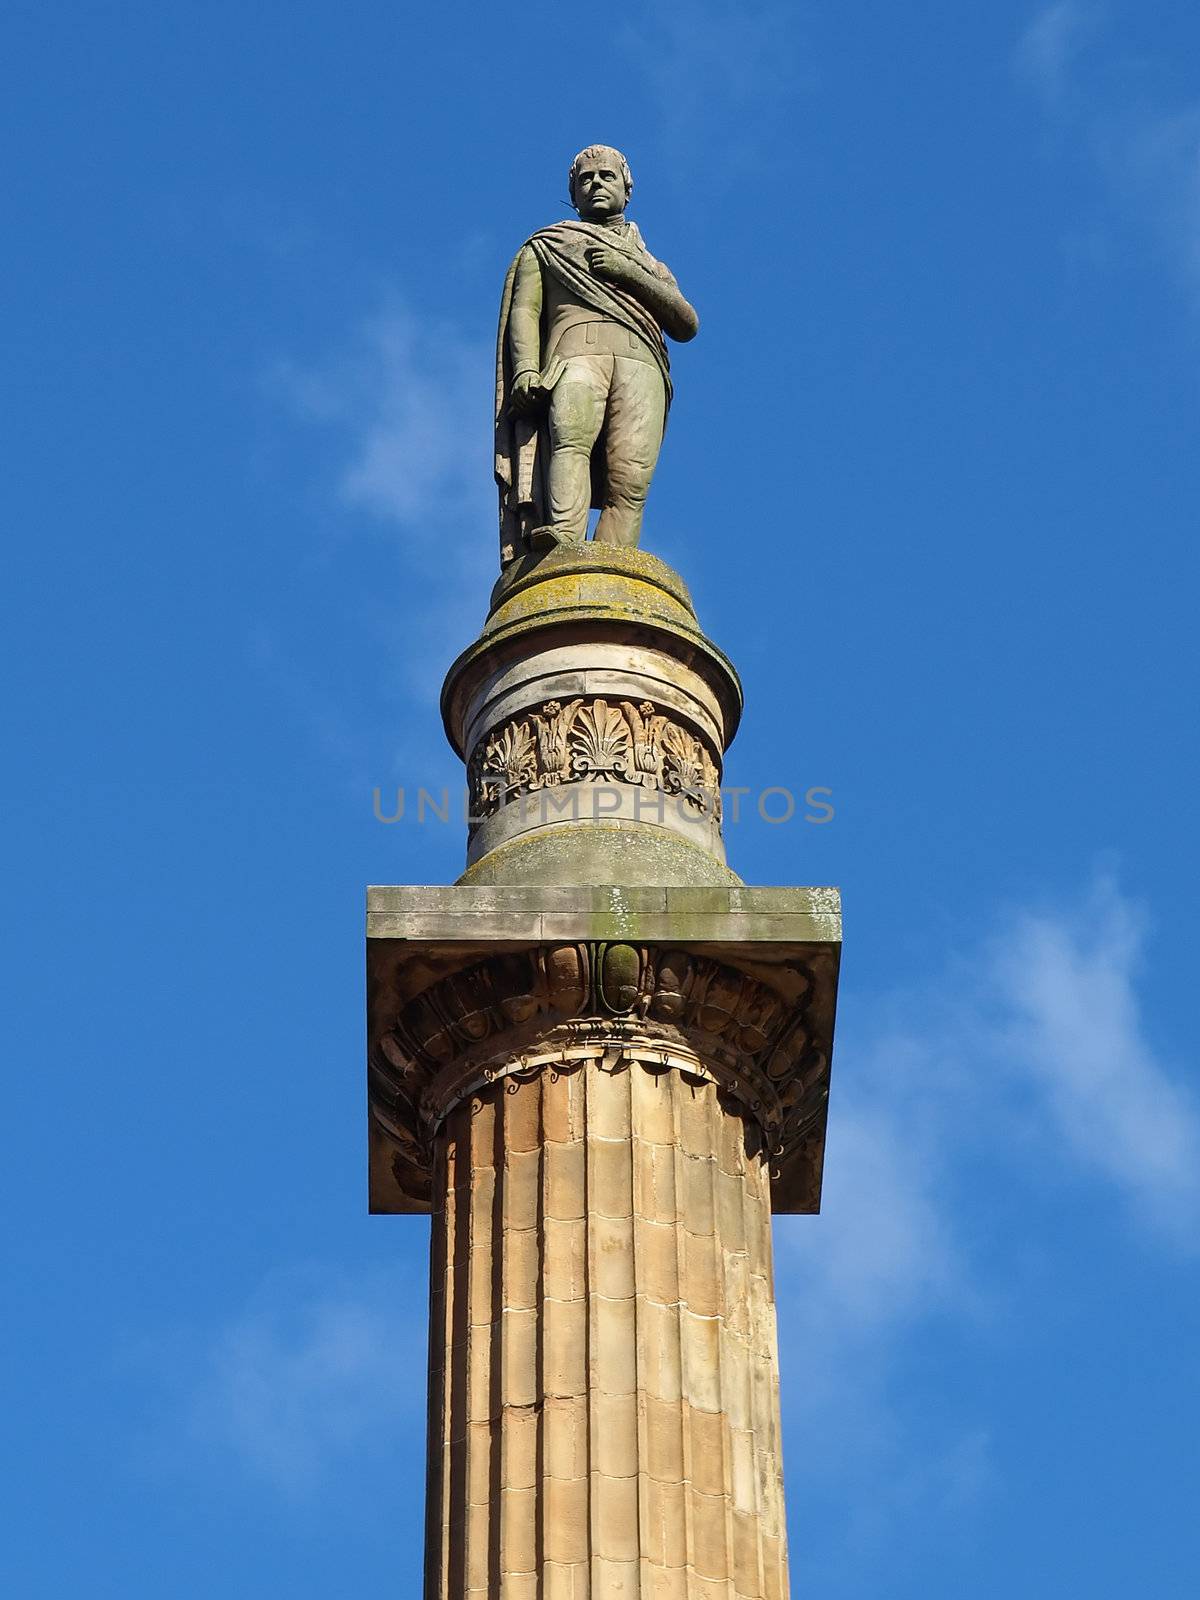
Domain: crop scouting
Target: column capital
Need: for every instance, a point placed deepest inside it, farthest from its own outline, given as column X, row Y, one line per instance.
column 472, row 984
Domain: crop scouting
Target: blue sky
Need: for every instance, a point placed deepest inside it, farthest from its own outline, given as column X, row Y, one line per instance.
column 932, row 476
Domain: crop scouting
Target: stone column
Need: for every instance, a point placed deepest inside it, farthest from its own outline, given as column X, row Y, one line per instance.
column 600, row 1062
column 604, row 1399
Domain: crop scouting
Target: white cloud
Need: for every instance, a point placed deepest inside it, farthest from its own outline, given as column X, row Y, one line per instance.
column 1033, row 1057
column 723, row 73
column 1034, row 1039
column 883, row 1260
column 407, row 406
column 1048, row 48
column 883, row 1249
column 1066, row 981
column 1152, row 159
column 1147, row 152
column 412, row 403
column 298, row 1380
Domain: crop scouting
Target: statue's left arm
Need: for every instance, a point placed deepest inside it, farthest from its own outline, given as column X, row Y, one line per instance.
column 660, row 295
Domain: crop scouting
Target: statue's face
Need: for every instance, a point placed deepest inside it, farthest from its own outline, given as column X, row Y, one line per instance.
column 599, row 189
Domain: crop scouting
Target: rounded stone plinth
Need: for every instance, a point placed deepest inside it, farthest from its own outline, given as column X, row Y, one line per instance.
column 592, row 703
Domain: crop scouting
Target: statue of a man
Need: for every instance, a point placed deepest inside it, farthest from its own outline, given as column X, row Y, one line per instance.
column 582, row 376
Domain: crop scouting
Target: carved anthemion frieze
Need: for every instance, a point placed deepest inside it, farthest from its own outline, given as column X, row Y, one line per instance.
column 593, row 741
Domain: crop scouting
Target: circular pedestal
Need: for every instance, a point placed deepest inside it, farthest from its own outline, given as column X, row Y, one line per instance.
column 593, row 716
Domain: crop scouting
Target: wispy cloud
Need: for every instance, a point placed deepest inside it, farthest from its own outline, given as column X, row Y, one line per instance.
column 884, row 1249
column 410, row 403
column 295, row 1383
column 402, row 408
column 1152, row 159
column 1145, row 145
column 1033, row 1059
column 1048, row 49
column 1068, row 1021
column 884, row 1261
column 725, row 73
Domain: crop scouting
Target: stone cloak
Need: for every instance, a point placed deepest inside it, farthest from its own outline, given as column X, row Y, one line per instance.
column 523, row 443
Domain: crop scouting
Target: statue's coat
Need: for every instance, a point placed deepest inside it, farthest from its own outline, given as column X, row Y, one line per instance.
column 522, row 443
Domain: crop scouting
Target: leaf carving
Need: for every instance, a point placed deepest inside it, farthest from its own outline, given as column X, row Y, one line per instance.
column 600, row 742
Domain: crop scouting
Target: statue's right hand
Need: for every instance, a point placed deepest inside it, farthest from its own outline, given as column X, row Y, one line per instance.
column 524, row 396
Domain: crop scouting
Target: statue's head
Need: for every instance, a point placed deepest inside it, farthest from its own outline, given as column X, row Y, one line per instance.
column 600, row 182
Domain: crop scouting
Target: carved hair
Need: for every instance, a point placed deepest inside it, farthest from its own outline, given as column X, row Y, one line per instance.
column 595, row 150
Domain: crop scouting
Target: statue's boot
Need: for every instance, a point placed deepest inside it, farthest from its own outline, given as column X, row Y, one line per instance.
column 550, row 536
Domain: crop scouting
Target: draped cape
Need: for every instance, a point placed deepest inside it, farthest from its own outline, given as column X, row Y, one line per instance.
column 522, row 443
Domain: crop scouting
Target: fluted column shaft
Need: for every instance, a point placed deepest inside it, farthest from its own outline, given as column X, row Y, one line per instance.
column 604, row 1396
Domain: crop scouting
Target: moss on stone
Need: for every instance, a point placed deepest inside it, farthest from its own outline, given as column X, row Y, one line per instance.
column 601, row 854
